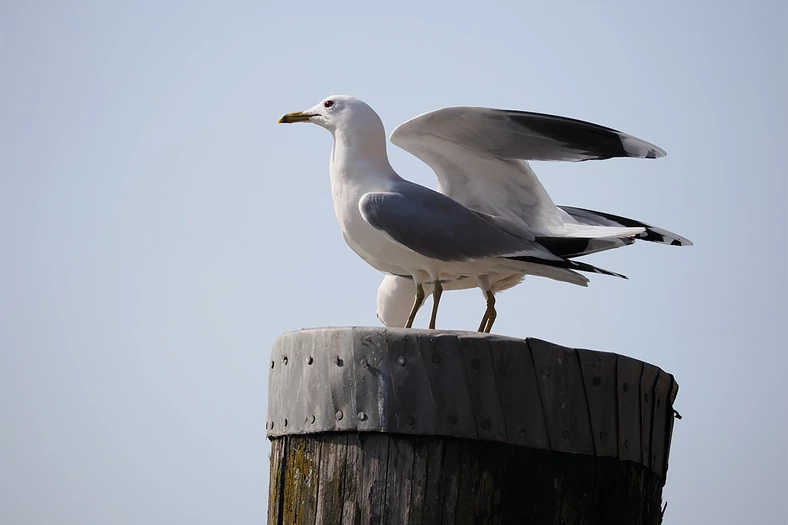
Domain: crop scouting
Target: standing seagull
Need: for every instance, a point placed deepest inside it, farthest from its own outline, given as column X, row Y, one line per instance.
column 395, row 293
column 402, row 228
column 480, row 158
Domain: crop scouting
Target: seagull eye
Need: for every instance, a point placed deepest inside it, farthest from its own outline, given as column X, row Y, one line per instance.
column 328, row 103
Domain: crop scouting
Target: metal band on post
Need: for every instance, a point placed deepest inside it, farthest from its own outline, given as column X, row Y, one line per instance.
column 493, row 400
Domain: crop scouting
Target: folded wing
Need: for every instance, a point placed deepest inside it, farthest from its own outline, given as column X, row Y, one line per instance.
column 437, row 227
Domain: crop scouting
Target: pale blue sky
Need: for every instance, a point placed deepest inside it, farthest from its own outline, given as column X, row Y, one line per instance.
column 159, row 229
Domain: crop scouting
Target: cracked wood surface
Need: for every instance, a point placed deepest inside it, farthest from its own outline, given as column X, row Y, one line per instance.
column 371, row 478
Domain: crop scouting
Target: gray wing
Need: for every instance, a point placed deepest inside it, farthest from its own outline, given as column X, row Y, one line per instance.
column 438, row 227
column 479, row 156
column 524, row 135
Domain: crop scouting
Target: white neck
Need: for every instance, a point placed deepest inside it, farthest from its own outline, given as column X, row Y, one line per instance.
column 360, row 159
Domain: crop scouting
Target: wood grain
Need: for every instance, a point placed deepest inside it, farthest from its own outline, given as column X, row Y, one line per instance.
column 475, row 482
column 389, row 426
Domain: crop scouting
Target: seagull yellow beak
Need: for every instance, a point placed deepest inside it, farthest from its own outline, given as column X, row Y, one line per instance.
column 298, row 116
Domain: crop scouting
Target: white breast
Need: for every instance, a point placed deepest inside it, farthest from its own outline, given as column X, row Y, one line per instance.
column 370, row 244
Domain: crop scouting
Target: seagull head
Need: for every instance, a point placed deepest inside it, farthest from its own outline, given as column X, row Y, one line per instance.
column 338, row 112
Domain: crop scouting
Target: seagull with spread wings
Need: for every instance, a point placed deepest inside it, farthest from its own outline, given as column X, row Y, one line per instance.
column 491, row 221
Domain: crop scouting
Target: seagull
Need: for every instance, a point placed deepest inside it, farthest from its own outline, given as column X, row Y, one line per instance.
column 404, row 229
column 395, row 293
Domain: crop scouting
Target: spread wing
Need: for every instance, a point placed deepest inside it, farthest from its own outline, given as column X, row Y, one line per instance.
column 480, row 158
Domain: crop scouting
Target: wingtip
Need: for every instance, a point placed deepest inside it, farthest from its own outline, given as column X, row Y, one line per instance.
column 638, row 148
column 656, row 153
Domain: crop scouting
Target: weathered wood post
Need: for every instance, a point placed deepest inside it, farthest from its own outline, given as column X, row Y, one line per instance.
column 399, row 426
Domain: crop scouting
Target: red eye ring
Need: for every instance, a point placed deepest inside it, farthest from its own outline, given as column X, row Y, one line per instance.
column 328, row 103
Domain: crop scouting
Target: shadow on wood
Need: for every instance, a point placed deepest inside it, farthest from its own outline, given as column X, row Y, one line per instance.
column 409, row 426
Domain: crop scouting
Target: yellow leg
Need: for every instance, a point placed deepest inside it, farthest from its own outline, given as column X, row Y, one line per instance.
column 436, row 298
column 492, row 312
column 419, row 300
column 483, row 324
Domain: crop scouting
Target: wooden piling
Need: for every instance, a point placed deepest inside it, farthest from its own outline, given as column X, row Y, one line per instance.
column 373, row 425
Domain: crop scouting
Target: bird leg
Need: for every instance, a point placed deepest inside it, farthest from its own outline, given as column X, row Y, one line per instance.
column 436, row 298
column 492, row 312
column 483, row 324
column 419, row 300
